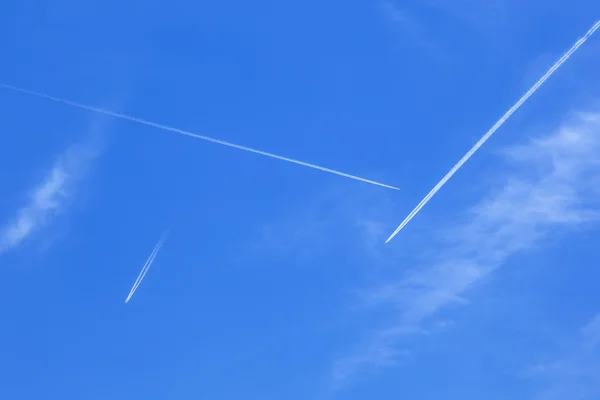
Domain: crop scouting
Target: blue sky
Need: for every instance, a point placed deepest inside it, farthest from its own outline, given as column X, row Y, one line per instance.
column 275, row 282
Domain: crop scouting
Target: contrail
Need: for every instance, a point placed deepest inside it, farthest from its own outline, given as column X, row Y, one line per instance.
column 194, row 135
column 145, row 268
column 494, row 128
column 147, row 265
column 142, row 273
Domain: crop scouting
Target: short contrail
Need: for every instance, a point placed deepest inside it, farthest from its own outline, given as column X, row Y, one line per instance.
column 146, row 266
column 194, row 135
column 142, row 273
column 494, row 129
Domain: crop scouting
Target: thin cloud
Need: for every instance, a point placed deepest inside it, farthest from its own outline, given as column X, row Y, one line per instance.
column 412, row 30
column 402, row 18
column 574, row 374
column 325, row 222
column 591, row 332
column 484, row 15
column 51, row 197
column 552, row 189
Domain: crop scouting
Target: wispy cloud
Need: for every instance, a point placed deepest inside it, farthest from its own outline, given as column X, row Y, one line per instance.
column 481, row 14
column 52, row 196
column 574, row 374
column 591, row 333
column 402, row 18
column 552, row 187
column 412, row 30
column 333, row 218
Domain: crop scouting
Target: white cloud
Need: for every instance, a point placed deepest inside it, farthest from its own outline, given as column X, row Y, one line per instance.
column 50, row 197
column 552, row 187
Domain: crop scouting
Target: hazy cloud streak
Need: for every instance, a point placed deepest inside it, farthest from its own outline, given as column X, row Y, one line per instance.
column 553, row 187
column 51, row 197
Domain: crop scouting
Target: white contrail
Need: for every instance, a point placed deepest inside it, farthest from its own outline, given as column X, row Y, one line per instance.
column 147, row 265
column 194, row 135
column 142, row 273
column 494, row 128
column 145, row 268
column 150, row 259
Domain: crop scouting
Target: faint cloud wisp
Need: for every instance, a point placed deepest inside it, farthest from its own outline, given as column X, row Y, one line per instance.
column 51, row 197
column 400, row 17
column 551, row 189
column 412, row 29
column 591, row 332
column 575, row 374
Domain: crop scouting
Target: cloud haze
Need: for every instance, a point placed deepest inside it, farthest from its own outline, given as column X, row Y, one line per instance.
column 551, row 188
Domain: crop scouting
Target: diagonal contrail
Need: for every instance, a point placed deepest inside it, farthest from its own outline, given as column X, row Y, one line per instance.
column 143, row 271
column 147, row 265
column 194, row 135
column 494, row 128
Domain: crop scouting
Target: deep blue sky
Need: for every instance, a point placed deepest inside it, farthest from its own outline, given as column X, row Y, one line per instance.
column 274, row 282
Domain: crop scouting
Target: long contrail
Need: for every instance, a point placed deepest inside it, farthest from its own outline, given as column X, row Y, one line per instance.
column 194, row 135
column 147, row 265
column 494, row 128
